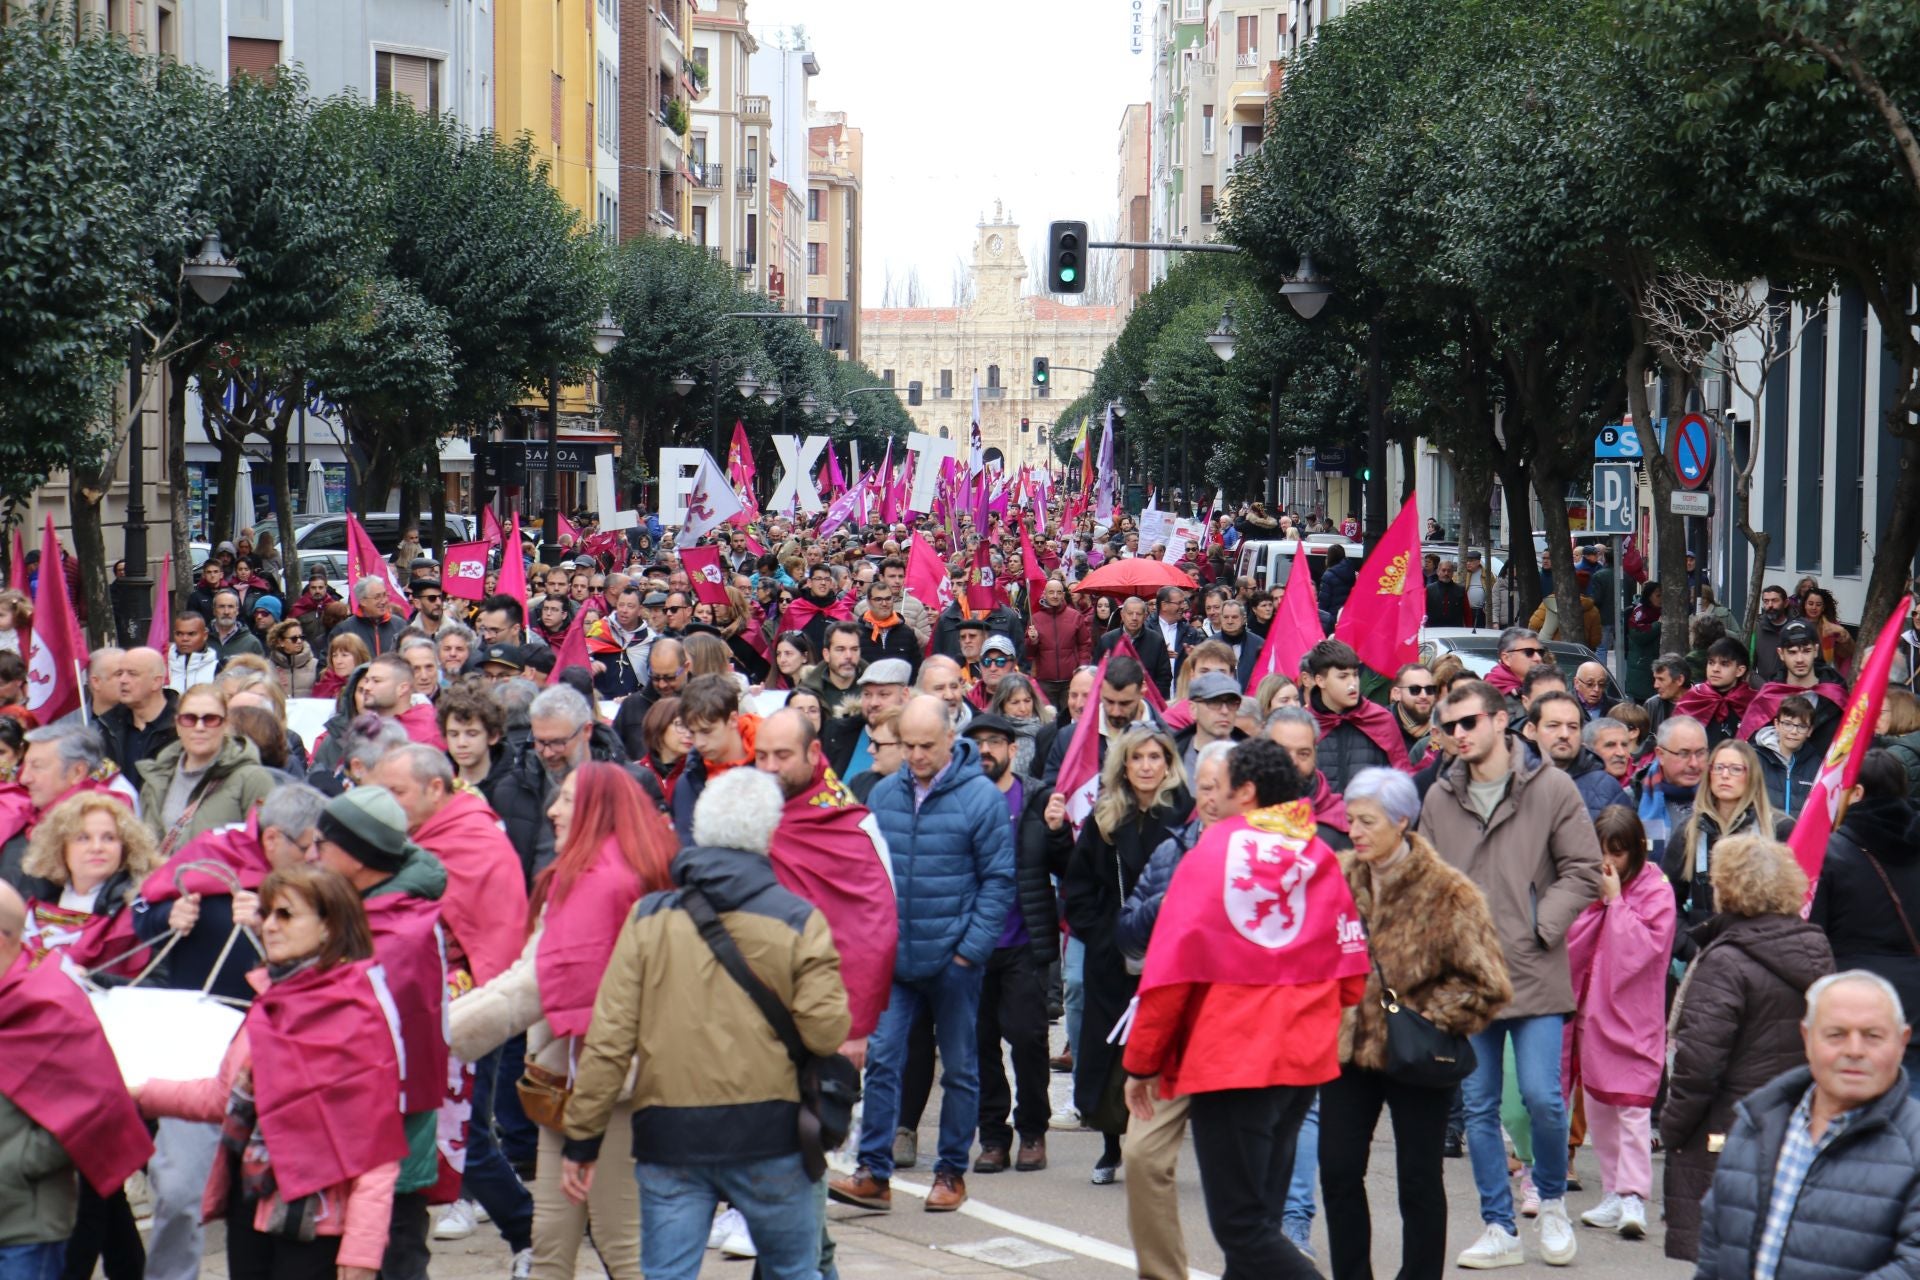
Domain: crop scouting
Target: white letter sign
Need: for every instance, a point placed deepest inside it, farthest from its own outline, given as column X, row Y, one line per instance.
column 796, row 460
column 677, row 470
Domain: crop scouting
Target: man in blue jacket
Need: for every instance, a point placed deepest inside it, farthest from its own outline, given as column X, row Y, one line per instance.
column 953, row 871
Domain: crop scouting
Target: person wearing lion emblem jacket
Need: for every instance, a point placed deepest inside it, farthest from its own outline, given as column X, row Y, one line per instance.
column 1258, row 949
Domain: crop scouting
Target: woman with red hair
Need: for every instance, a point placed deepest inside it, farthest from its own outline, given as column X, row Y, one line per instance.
column 614, row 846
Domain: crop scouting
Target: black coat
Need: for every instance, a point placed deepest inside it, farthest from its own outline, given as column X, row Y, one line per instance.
column 1346, row 751
column 1737, row 1026
column 1151, row 648
column 1033, row 876
column 1447, row 605
column 897, row 641
column 1098, row 876
column 1857, row 1207
column 1863, row 923
column 128, row 746
column 1002, row 620
column 1693, row 888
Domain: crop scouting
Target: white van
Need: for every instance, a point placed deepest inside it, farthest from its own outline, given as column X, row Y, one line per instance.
column 1269, row 563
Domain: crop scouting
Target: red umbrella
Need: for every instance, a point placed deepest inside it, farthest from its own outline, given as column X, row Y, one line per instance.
column 1138, row 577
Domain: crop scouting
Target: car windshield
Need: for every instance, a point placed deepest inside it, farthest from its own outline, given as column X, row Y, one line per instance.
column 1482, row 653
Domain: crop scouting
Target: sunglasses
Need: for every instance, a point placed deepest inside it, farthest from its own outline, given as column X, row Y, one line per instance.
column 1467, row 722
column 1531, row 652
column 1420, row 690
column 192, row 720
column 996, row 660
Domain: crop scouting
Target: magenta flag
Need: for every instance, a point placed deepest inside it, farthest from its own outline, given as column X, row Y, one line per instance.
column 1296, row 625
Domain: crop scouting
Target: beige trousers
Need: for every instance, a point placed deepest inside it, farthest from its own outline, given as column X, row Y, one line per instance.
column 614, row 1207
column 1149, row 1157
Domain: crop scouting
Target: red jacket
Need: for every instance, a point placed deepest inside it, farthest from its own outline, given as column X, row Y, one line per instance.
column 1202, row 1038
column 1062, row 643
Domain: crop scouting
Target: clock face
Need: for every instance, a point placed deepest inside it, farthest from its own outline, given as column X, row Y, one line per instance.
column 996, row 244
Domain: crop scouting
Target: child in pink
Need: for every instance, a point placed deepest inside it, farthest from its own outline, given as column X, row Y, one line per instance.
column 1618, row 950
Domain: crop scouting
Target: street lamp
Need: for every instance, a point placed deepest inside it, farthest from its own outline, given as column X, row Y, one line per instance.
column 210, row 274
column 808, row 404
column 771, row 391
column 1225, row 341
column 608, row 333
column 1223, row 337
column 683, row 384
column 1307, row 290
column 746, row 384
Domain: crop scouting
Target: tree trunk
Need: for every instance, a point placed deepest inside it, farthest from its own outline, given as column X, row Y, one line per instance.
column 279, row 468
column 1552, row 488
column 437, row 503
column 181, row 515
column 85, row 489
column 1522, row 564
column 1409, row 462
column 1893, row 558
column 223, row 525
column 1670, row 531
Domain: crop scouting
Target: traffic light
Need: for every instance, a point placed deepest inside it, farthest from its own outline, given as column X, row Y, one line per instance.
column 1042, row 371
column 1024, row 428
column 1067, row 257
column 913, row 394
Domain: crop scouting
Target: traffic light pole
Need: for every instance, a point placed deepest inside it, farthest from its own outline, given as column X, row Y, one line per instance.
column 1163, row 245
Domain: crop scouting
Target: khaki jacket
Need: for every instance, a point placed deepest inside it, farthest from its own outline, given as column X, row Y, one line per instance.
column 714, row 1083
column 1537, row 862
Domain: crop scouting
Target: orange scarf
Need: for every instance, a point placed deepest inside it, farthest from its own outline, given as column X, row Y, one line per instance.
column 879, row 628
column 748, row 727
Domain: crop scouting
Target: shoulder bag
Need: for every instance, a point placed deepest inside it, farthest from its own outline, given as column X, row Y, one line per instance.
column 1419, row 1053
column 829, row 1083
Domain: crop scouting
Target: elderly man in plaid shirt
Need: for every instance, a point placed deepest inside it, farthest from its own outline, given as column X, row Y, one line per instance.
column 1821, row 1173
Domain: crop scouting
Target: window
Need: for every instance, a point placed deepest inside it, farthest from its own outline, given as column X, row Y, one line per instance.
column 815, row 211
column 1206, row 129
column 993, row 376
column 700, row 56
column 609, row 133
column 886, row 377
column 256, row 58
column 414, row 79
column 1810, row 443
column 698, row 151
column 699, row 224
column 753, row 239
column 1206, row 204
column 813, row 257
column 1247, row 40
column 1192, row 11
column 946, row 384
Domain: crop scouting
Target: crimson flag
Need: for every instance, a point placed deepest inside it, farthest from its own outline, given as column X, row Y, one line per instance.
column 17, row 570
column 1030, row 561
column 490, row 531
column 926, row 576
column 980, row 583
column 704, row 572
column 573, row 648
column 513, row 566
column 364, row 560
column 1389, row 602
column 160, row 629
column 465, row 576
column 53, row 667
column 1296, row 625
column 1148, row 686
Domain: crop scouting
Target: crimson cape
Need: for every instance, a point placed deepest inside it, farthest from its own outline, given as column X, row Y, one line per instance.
column 407, row 944
column 56, row 1066
column 1259, row 901
column 1709, row 706
column 577, row 940
column 1373, row 720
column 326, row 1076
column 485, row 905
column 235, row 847
column 1766, row 703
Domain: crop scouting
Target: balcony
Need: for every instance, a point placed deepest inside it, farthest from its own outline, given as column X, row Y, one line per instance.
column 708, row 175
column 744, row 260
column 744, row 180
column 756, row 108
column 715, row 252
column 993, row 393
column 1247, row 59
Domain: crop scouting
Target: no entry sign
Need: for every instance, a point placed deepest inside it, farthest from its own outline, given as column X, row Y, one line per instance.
column 1690, row 451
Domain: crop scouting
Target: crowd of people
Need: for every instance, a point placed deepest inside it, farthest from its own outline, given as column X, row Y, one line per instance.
column 647, row 869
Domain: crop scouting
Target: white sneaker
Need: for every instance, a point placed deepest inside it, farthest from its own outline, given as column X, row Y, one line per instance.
column 724, row 1224
column 1529, row 1196
column 522, row 1265
column 1557, row 1245
column 456, row 1221
column 1496, row 1247
column 1633, row 1218
column 738, row 1244
column 1065, row 1118
column 1605, row 1215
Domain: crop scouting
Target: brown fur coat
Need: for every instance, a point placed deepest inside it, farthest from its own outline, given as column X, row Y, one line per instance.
column 1433, row 939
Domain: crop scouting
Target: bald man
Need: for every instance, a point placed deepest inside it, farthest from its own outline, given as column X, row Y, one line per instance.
column 951, row 846
column 1590, row 687
column 141, row 725
column 103, row 679
column 942, row 678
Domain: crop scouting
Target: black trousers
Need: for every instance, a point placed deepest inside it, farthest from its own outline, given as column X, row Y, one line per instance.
column 254, row 1256
column 1349, row 1110
column 1243, row 1142
column 916, row 1079
column 1013, row 1008
column 407, row 1251
column 104, row 1232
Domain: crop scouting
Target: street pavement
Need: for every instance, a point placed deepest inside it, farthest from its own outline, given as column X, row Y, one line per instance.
column 1056, row 1225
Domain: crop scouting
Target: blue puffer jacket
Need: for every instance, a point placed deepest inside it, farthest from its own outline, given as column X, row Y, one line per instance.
column 1859, row 1209
column 952, row 864
column 1142, row 909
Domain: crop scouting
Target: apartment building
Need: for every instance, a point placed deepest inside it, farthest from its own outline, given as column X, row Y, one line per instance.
column 835, row 162
column 1135, row 178
column 728, row 145
column 782, row 70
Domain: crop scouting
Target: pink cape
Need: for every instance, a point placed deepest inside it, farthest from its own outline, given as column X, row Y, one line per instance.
column 235, row 847
column 577, row 940
column 822, row 852
column 1329, row 806
column 1766, row 703
column 485, row 905
column 1709, row 706
column 19, row 817
column 325, row 1077
column 1375, row 721
column 422, row 724
column 407, row 945
column 1259, row 901
column 1616, row 1042
column 1503, row 679
column 802, row 611
column 55, row 1065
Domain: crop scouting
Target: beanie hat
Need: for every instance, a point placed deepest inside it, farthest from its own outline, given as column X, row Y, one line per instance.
column 271, row 604
column 369, row 824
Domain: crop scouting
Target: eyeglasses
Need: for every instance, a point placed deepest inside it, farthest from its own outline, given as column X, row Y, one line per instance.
column 878, row 744
column 679, row 608
column 192, row 720
column 1533, row 651
column 430, row 597
column 1697, row 754
column 1467, row 722
column 996, row 660
column 1729, row 770
column 1590, row 682
column 1420, row 690
column 554, row 744
column 1793, row 726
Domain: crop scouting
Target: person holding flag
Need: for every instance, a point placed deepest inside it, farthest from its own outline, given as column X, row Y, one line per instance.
column 1257, row 950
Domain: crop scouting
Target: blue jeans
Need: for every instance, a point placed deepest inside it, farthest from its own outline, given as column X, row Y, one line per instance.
column 489, row 1179
column 32, row 1261
column 775, row 1196
column 1536, row 1061
column 1073, row 967
column 1306, row 1168
column 954, row 997
column 519, row 1137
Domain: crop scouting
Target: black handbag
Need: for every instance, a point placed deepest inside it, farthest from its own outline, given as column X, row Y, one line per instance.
column 829, row 1083
column 1419, row 1053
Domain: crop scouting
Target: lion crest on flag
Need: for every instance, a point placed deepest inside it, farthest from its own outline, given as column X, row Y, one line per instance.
column 1266, row 886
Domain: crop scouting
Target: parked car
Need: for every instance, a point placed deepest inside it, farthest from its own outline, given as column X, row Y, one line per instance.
column 1480, row 650
column 1269, row 563
column 1496, row 561
column 329, row 532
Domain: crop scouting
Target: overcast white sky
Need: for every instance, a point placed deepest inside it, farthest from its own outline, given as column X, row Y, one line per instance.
column 1017, row 100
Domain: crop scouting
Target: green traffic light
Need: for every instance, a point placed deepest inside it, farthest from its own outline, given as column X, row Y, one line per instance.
column 1067, row 275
